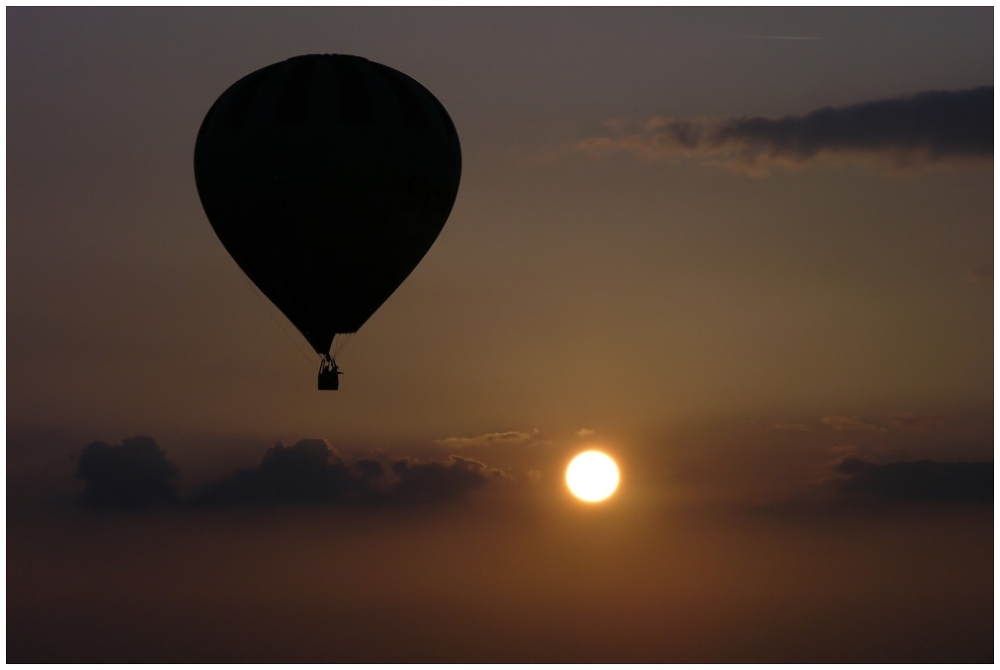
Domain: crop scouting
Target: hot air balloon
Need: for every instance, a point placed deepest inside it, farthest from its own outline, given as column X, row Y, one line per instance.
column 327, row 178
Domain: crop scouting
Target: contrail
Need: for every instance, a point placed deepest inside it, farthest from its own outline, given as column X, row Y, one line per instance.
column 778, row 37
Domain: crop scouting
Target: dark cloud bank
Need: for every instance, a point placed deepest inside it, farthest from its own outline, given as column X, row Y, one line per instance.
column 132, row 475
column 923, row 128
column 917, row 480
column 941, row 123
column 137, row 475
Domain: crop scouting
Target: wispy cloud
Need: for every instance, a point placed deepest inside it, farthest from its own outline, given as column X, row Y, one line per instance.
column 488, row 439
column 793, row 427
column 915, row 421
column 926, row 128
column 847, row 423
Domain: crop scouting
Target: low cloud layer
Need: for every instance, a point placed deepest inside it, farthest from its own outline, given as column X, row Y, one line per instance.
column 307, row 471
column 929, row 127
column 132, row 475
column 439, row 480
column 136, row 475
column 917, row 480
column 310, row 471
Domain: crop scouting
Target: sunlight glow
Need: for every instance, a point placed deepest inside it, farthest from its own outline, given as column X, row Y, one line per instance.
column 592, row 476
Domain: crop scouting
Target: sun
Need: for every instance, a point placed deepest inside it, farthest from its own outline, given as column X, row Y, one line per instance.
column 592, row 476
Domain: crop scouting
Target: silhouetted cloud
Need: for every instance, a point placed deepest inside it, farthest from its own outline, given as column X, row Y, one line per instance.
column 369, row 469
column 132, row 475
column 437, row 480
column 917, row 480
column 924, row 128
column 310, row 471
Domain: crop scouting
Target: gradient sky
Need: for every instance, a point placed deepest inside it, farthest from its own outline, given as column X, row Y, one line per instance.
column 662, row 245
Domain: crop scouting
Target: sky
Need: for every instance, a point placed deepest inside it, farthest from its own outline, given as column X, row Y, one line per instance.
column 746, row 251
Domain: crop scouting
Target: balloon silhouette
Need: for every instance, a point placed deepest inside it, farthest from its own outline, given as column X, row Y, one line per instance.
column 327, row 178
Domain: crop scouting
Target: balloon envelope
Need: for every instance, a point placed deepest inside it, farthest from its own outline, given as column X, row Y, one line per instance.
column 327, row 178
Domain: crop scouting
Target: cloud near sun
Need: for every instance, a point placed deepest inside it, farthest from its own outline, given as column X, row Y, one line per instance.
column 489, row 439
column 927, row 128
column 137, row 475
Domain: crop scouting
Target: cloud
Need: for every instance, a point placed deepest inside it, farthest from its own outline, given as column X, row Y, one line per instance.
column 310, row 471
column 307, row 471
column 586, row 432
column 438, row 480
column 132, row 475
column 846, row 423
column 925, row 128
column 917, row 480
column 487, row 439
column 914, row 421
column 841, row 423
column 897, row 420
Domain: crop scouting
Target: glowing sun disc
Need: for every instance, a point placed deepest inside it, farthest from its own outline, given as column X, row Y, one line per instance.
column 592, row 476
